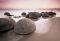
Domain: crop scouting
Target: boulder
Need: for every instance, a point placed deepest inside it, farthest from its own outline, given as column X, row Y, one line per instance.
column 24, row 26
column 6, row 24
column 45, row 14
column 33, row 15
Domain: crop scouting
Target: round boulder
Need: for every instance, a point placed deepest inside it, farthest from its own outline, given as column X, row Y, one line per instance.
column 33, row 16
column 45, row 14
column 23, row 14
column 6, row 24
column 24, row 26
column 51, row 14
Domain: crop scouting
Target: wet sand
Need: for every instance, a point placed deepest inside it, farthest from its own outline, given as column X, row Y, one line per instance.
column 46, row 30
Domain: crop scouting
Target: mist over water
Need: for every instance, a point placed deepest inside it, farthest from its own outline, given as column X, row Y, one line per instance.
column 18, row 12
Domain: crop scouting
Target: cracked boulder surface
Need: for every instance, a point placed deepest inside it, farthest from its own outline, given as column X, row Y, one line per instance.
column 24, row 26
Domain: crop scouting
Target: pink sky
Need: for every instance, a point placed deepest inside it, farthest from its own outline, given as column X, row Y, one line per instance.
column 26, row 0
column 29, row 3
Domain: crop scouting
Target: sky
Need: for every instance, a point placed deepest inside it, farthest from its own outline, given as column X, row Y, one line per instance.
column 29, row 3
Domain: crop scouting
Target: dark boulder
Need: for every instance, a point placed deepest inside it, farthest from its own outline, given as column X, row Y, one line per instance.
column 8, row 14
column 33, row 15
column 45, row 14
column 23, row 14
column 6, row 24
column 51, row 14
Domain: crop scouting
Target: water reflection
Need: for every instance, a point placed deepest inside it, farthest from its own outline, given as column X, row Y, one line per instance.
column 42, row 26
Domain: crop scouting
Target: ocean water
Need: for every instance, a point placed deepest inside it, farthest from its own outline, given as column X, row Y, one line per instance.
column 17, row 12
